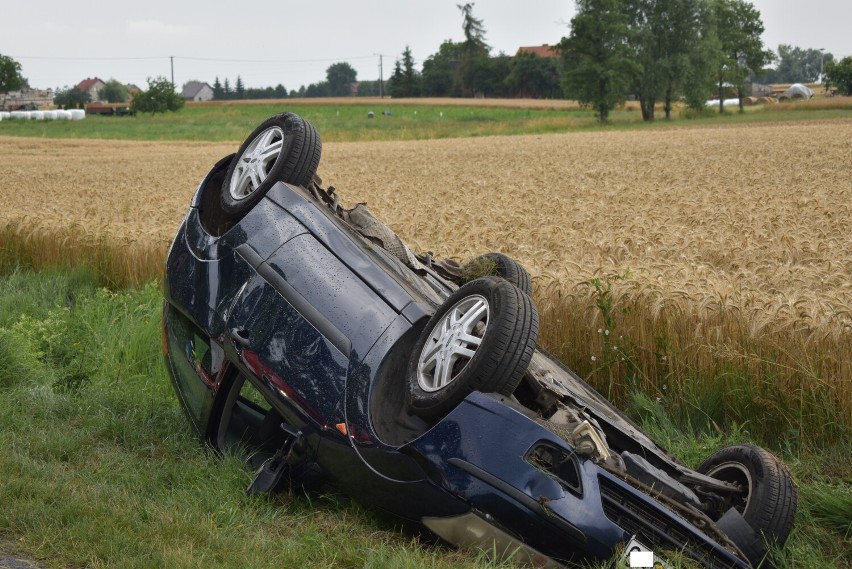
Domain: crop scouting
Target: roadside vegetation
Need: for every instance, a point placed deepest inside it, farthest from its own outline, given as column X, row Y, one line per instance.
column 100, row 468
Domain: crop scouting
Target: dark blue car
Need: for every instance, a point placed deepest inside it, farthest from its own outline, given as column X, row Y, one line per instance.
column 308, row 338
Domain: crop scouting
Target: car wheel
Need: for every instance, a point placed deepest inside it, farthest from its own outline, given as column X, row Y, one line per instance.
column 481, row 339
column 769, row 503
column 283, row 148
column 499, row 265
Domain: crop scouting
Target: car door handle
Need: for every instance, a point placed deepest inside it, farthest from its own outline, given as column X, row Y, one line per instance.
column 241, row 336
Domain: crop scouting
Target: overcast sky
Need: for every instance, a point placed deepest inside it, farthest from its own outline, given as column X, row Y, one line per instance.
column 59, row 43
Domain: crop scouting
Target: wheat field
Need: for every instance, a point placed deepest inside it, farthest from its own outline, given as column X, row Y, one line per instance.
column 712, row 265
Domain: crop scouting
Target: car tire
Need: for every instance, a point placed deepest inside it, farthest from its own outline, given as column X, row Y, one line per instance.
column 770, row 503
column 499, row 265
column 480, row 339
column 284, row 148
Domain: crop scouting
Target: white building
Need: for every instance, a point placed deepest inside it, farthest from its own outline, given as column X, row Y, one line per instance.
column 197, row 91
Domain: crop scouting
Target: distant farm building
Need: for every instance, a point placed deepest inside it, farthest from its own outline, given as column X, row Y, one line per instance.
column 543, row 50
column 197, row 91
column 92, row 86
column 26, row 99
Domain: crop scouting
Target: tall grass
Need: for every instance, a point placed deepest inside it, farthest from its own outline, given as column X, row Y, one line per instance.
column 100, row 468
column 711, row 369
column 788, row 388
column 117, row 265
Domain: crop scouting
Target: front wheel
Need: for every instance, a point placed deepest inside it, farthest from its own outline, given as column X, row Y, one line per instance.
column 481, row 339
column 768, row 498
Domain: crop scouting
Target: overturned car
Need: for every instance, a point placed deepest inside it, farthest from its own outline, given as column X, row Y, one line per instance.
column 309, row 338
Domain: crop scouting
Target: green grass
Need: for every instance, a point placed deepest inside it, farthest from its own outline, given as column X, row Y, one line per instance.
column 100, row 469
column 345, row 122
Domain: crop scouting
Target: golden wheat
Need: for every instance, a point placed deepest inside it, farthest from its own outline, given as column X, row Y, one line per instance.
column 717, row 247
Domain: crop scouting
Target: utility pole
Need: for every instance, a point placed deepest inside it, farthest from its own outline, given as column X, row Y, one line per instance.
column 172, row 58
column 381, row 79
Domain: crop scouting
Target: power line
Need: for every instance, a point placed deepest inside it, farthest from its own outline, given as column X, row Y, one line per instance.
column 190, row 58
column 52, row 58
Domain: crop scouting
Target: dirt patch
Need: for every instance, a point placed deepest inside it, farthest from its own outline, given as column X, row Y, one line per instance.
column 11, row 560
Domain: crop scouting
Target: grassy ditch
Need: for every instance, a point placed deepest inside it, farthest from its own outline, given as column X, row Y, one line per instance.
column 99, row 468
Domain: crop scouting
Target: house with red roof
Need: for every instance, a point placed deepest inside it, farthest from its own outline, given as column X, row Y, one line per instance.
column 543, row 50
column 92, row 85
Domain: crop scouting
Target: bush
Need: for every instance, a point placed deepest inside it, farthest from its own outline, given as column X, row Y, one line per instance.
column 159, row 98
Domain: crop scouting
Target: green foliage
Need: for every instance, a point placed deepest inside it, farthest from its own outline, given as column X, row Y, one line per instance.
column 77, row 457
column 114, row 92
column 405, row 81
column 533, row 77
column 739, row 28
column 597, row 60
column 474, row 31
column 340, row 77
column 664, row 34
column 159, row 98
column 71, row 97
column 117, row 442
column 839, row 75
column 439, row 70
column 10, row 74
column 796, row 65
column 473, row 73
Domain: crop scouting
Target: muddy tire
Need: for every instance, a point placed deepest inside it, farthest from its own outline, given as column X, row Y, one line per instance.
column 499, row 265
column 769, row 503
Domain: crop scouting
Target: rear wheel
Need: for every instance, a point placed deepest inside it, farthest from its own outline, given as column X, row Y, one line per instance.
column 284, row 148
column 481, row 339
column 500, row 265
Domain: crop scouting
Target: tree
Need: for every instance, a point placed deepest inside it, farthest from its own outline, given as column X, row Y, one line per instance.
column 369, row 88
column 70, row 98
column 704, row 56
column 439, row 70
column 404, row 81
column 114, row 92
column 226, row 90
column 739, row 27
column 218, row 91
column 661, row 34
column 321, row 89
column 410, row 77
column 10, row 75
column 239, row 88
column 340, row 77
column 533, row 77
column 839, row 75
column 598, row 64
column 797, row 65
column 471, row 71
column 159, row 98
column 280, row 91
